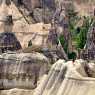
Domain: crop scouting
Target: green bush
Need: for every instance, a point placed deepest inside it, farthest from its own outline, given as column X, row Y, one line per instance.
column 72, row 55
column 82, row 36
column 64, row 43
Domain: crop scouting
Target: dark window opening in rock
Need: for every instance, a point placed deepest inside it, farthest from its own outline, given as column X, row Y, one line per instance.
column 9, row 20
column 30, row 43
column 31, row 14
column 9, row 42
column 20, row 2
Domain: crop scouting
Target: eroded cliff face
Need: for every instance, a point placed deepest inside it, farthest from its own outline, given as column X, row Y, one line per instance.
column 21, row 70
column 43, row 10
column 68, row 78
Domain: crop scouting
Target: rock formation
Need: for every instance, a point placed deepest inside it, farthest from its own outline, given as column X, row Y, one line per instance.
column 21, row 70
column 37, row 33
column 44, row 9
column 66, row 78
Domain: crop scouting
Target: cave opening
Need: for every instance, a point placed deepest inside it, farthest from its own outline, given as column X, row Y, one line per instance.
column 9, row 42
column 20, row 2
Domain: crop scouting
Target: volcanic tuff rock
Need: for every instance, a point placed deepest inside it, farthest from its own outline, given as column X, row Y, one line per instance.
column 38, row 34
column 42, row 9
column 67, row 78
column 83, row 7
column 21, row 70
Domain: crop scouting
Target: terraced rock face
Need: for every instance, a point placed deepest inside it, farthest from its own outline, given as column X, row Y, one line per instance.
column 67, row 78
column 21, row 70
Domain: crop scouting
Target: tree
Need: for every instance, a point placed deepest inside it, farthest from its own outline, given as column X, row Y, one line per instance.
column 71, row 14
column 67, row 23
column 82, row 36
column 72, row 55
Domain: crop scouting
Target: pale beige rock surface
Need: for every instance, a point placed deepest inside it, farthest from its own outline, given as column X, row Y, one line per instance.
column 16, row 92
column 67, row 78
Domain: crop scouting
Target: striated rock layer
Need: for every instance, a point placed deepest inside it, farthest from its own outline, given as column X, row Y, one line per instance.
column 21, row 70
column 67, row 78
